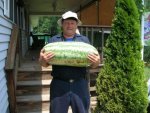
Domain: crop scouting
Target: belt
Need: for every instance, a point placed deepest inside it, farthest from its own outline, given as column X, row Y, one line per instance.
column 67, row 80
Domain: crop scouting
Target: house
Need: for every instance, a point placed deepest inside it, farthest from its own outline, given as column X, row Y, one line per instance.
column 15, row 31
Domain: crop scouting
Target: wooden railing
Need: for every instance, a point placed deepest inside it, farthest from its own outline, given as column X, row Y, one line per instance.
column 11, row 68
column 97, row 35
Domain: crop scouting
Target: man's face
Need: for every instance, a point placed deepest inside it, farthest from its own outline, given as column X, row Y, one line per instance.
column 69, row 26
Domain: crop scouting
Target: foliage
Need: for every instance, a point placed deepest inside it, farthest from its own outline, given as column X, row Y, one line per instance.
column 121, row 86
column 47, row 25
column 140, row 6
column 147, row 5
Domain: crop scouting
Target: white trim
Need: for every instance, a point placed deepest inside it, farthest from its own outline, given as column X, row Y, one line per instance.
column 142, row 34
column 7, row 8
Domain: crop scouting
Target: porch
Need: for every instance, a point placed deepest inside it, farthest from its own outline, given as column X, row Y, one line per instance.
column 28, row 82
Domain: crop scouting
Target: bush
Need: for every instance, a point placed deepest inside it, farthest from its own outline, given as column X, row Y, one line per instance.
column 121, row 86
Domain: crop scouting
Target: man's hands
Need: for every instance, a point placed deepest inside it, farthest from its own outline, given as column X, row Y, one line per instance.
column 94, row 59
column 45, row 58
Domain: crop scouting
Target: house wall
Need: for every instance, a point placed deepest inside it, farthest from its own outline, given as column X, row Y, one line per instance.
column 5, row 32
column 99, row 12
column 106, row 12
column 89, row 15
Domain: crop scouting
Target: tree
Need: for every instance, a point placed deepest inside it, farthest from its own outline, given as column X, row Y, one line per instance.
column 121, row 85
column 46, row 24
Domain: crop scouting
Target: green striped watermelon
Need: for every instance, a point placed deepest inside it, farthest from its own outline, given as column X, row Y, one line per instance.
column 70, row 53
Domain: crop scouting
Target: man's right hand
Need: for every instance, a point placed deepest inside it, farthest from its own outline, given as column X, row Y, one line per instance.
column 45, row 58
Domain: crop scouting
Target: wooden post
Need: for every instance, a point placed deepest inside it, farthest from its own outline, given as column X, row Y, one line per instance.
column 11, row 91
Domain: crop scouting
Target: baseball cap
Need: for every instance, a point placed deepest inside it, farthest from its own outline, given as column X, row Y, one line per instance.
column 69, row 14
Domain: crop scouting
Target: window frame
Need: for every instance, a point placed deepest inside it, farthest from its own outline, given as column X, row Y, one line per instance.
column 7, row 8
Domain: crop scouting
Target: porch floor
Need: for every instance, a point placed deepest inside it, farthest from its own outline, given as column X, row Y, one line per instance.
column 30, row 62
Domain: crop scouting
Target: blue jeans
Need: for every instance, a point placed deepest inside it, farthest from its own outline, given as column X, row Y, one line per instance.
column 64, row 94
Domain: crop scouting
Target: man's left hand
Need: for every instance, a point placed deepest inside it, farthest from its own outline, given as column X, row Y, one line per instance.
column 94, row 59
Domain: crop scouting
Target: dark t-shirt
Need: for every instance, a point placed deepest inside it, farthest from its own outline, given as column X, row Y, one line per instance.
column 68, row 72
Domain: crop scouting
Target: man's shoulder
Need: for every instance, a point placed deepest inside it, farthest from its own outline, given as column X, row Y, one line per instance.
column 82, row 38
column 55, row 38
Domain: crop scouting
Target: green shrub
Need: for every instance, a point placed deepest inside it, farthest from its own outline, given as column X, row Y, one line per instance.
column 121, row 86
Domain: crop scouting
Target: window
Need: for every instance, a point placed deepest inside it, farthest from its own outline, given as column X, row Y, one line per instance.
column 12, row 10
column 7, row 8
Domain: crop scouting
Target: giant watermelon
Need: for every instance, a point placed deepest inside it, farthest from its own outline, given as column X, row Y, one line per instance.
column 70, row 53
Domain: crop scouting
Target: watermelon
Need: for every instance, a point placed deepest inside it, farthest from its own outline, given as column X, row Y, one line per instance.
column 70, row 53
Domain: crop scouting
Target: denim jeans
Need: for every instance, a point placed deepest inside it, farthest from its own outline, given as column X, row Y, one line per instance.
column 64, row 94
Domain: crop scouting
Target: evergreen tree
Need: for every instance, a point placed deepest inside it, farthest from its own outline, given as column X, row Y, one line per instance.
column 121, row 85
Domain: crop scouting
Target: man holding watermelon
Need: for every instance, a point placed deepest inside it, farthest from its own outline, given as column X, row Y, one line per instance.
column 69, row 86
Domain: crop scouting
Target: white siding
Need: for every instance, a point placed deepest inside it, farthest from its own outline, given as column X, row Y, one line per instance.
column 3, row 55
column 3, row 46
column 5, row 23
column 2, row 74
column 4, row 38
column 5, row 32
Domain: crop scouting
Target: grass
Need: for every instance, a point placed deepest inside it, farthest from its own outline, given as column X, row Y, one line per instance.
column 147, row 72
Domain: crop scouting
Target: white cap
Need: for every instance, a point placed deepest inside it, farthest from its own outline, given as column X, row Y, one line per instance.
column 69, row 14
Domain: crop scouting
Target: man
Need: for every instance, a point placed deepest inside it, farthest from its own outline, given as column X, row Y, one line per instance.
column 69, row 86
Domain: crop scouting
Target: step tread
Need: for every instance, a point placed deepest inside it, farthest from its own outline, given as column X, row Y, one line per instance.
column 25, row 76
column 31, row 83
column 93, row 88
column 33, row 98
column 32, row 90
column 35, row 108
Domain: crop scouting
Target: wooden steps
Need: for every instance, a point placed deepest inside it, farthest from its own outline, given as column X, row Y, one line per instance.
column 31, row 83
column 33, row 92
column 36, row 107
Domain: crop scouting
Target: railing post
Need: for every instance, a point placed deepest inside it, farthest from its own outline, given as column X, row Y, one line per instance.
column 11, row 90
column 10, row 68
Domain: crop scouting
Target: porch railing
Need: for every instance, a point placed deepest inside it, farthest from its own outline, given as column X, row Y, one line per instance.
column 11, row 66
column 97, row 36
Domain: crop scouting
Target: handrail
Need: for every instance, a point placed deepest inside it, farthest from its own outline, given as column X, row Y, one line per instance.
column 11, row 67
column 95, row 26
column 12, row 48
